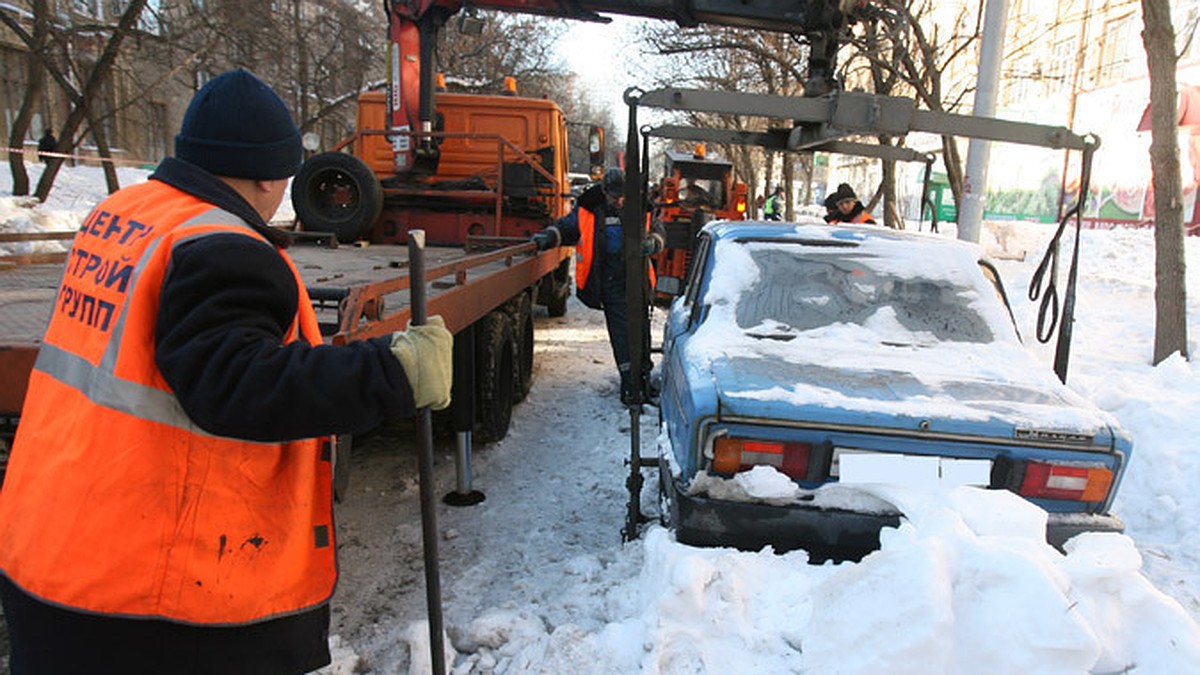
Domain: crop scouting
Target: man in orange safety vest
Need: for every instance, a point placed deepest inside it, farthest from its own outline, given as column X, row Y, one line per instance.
column 168, row 503
column 594, row 228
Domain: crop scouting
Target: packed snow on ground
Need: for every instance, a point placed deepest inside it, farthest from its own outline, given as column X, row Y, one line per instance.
column 964, row 585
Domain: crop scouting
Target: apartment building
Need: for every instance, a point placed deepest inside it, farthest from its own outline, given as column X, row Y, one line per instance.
column 1082, row 64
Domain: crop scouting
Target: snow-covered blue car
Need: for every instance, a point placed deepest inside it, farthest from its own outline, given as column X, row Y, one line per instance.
column 799, row 359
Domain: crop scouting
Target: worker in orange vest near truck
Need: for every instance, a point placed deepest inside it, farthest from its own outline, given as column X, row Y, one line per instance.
column 168, row 503
column 842, row 206
column 594, row 228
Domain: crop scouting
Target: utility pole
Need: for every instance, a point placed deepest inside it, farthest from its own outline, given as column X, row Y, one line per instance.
column 991, row 50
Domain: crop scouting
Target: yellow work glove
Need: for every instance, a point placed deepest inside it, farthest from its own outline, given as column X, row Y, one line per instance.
column 426, row 354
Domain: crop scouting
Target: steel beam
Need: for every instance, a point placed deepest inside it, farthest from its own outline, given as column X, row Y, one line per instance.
column 820, row 120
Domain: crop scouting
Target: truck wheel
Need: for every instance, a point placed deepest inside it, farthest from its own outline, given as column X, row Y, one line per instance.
column 337, row 193
column 496, row 368
column 557, row 306
column 560, row 290
column 341, row 467
column 522, row 321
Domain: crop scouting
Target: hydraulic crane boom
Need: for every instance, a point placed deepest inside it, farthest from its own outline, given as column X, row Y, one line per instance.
column 413, row 27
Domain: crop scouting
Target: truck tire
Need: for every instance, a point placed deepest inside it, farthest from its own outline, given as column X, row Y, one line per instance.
column 557, row 306
column 521, row 314
column 337, row 193
column 495, row 375
column 558, row 290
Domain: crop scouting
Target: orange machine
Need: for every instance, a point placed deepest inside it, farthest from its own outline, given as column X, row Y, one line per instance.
column 695, row 189
column 501, row 171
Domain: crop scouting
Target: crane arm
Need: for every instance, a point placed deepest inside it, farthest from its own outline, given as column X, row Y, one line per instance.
column 413, row 27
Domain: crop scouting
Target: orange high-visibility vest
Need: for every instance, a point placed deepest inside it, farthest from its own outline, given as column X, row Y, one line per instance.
column 585, row 249
column 115, row 502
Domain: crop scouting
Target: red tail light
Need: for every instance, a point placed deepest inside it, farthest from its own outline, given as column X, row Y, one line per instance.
column 1076, row 483
column 731, row 455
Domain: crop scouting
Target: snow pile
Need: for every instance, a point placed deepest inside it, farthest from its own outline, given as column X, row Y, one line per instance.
column 966, row 584
column 76, row 190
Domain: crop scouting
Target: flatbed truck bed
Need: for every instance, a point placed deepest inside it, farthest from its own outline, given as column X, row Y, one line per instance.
column 359, row 291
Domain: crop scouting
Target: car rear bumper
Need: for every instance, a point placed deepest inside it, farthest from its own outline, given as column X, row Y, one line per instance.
column 827, row 534
column 1062, row 526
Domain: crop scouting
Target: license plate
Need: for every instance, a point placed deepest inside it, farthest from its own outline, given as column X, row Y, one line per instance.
column 863, row 466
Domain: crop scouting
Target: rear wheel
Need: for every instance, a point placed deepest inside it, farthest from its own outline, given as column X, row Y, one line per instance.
column 337, row 193
column 522, row 320
column 558, row 290
column 496, row 366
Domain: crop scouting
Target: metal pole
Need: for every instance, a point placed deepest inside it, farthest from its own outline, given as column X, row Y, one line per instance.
column 633, row 218
column 991, row 50
column 433, row 583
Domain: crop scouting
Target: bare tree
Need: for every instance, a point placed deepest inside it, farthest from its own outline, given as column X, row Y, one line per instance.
column 35, row 87
column 1170, row 293
column 518, row 46
column 336, row 52
column 96, row 79
column 885, row 81
column 523, row 47
column 582, row 112
column 731, row 59
column 913, row 62
column 893, row 55
column 83, row 103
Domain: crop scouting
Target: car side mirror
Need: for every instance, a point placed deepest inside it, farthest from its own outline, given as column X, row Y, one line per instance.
column 669, row 285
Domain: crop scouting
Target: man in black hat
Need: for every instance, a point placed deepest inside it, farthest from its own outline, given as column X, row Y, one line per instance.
column 168, row 502
column 842, row 206
column 594, row 228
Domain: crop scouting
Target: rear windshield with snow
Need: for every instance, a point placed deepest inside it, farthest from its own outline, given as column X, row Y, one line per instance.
column 893, row 296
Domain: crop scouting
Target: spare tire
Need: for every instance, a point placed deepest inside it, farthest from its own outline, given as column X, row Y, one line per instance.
column 337, row 193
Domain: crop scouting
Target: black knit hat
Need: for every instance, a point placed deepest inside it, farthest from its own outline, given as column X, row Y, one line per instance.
column 844, row 191
column 238, row 126
column 614, row 182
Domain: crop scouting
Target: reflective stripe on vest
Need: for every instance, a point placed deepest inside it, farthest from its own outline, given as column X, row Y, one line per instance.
column 115, row 502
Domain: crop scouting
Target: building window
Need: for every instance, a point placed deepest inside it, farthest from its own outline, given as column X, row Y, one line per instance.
column 1063, row 56
column 1115, row 52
